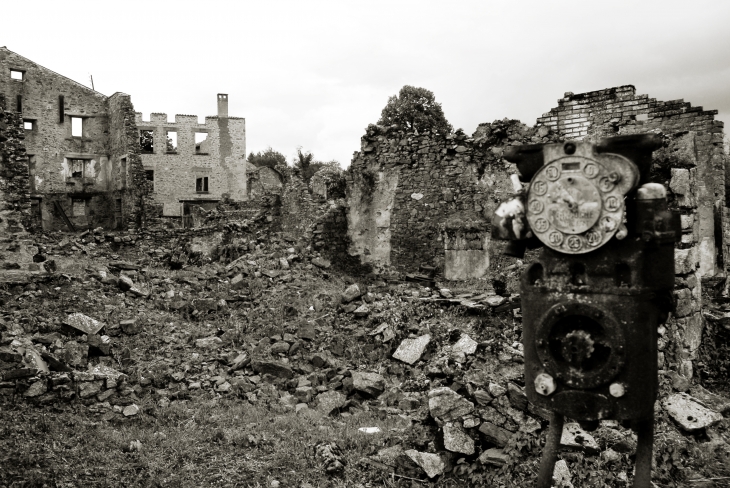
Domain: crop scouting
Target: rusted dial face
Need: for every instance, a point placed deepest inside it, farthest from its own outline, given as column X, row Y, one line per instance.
column 576, row 204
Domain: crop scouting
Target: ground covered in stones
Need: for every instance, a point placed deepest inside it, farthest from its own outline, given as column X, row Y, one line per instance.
column 131, row 360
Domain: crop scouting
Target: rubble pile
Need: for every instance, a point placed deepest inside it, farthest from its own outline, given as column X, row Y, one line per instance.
column 272, row 323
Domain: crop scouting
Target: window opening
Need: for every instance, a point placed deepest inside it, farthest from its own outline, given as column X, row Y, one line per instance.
column 31, row 173
column 171, row 141
column 77, row 168
column 123, row 171
column 28, row 124
column 146, row 141
column 19, row 103
column 201, row 143
column 17, row 75
column 201, row 184
column 77, row 126
column 150, row 174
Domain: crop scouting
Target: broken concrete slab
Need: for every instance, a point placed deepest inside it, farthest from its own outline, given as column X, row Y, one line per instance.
column 83, row 323
column 710, row 400
column 410, row 350
column 575, row 438
column 689, row 413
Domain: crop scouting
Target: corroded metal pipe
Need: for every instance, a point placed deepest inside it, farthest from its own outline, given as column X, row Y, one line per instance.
column 645, row 433
column 550, row 454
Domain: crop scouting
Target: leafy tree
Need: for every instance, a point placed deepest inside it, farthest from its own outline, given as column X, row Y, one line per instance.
column 269, row 158
column 308, row 166
column 415, row 109
column 146, row 141
column 303, row 159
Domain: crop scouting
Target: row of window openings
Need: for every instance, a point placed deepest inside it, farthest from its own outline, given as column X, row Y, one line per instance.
column 147, row 142
column 78, row 170
column 77, row 126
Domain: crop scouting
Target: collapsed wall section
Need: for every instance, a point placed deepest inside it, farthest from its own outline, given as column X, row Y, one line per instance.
column 413, row 197
column 16, row 249
column 129, row 178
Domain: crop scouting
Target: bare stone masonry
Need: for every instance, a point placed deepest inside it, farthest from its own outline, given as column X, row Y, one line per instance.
column 79, row 158
column 196, row 172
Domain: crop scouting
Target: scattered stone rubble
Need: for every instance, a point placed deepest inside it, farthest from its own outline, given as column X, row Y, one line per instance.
column 464, row 385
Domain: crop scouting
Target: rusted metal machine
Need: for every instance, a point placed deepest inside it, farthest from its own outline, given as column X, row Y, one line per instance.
column 593, row 300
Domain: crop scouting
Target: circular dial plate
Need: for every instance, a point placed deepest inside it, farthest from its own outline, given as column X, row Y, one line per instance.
column 574, row 205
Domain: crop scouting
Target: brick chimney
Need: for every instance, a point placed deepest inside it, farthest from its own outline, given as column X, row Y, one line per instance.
column 223, row 105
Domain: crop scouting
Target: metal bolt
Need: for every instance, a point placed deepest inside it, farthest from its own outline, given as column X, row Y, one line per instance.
column 569, row 148
column 545, row 384
column 617, row 390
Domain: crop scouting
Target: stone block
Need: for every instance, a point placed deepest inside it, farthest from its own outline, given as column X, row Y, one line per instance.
column 466, row 264
column 411, row 350
column 447, row 405
column 457, row 440
column 685, row 260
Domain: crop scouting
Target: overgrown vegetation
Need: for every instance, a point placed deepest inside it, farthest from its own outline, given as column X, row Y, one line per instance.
column 415, row 109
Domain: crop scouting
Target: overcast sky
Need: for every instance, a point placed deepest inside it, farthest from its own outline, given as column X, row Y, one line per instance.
column 315, row 73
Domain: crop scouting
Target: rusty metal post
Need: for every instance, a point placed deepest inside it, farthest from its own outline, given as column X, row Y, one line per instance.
column 550, row 454
column 644, row 448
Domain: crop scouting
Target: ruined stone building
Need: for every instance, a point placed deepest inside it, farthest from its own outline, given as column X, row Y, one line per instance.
column 188, row 163
column 262, row 180
column 93, row 162
column 428, row 198
column 82, row 148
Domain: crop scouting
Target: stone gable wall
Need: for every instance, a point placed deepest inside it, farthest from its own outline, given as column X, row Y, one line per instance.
column 89, row 200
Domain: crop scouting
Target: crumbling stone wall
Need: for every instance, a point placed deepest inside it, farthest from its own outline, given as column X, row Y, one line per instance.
column 701, row 173
column 16, row 250
column 402, row 188
column 220, row 159
column 49, row 102
column 130, row 183
column 263, row 181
